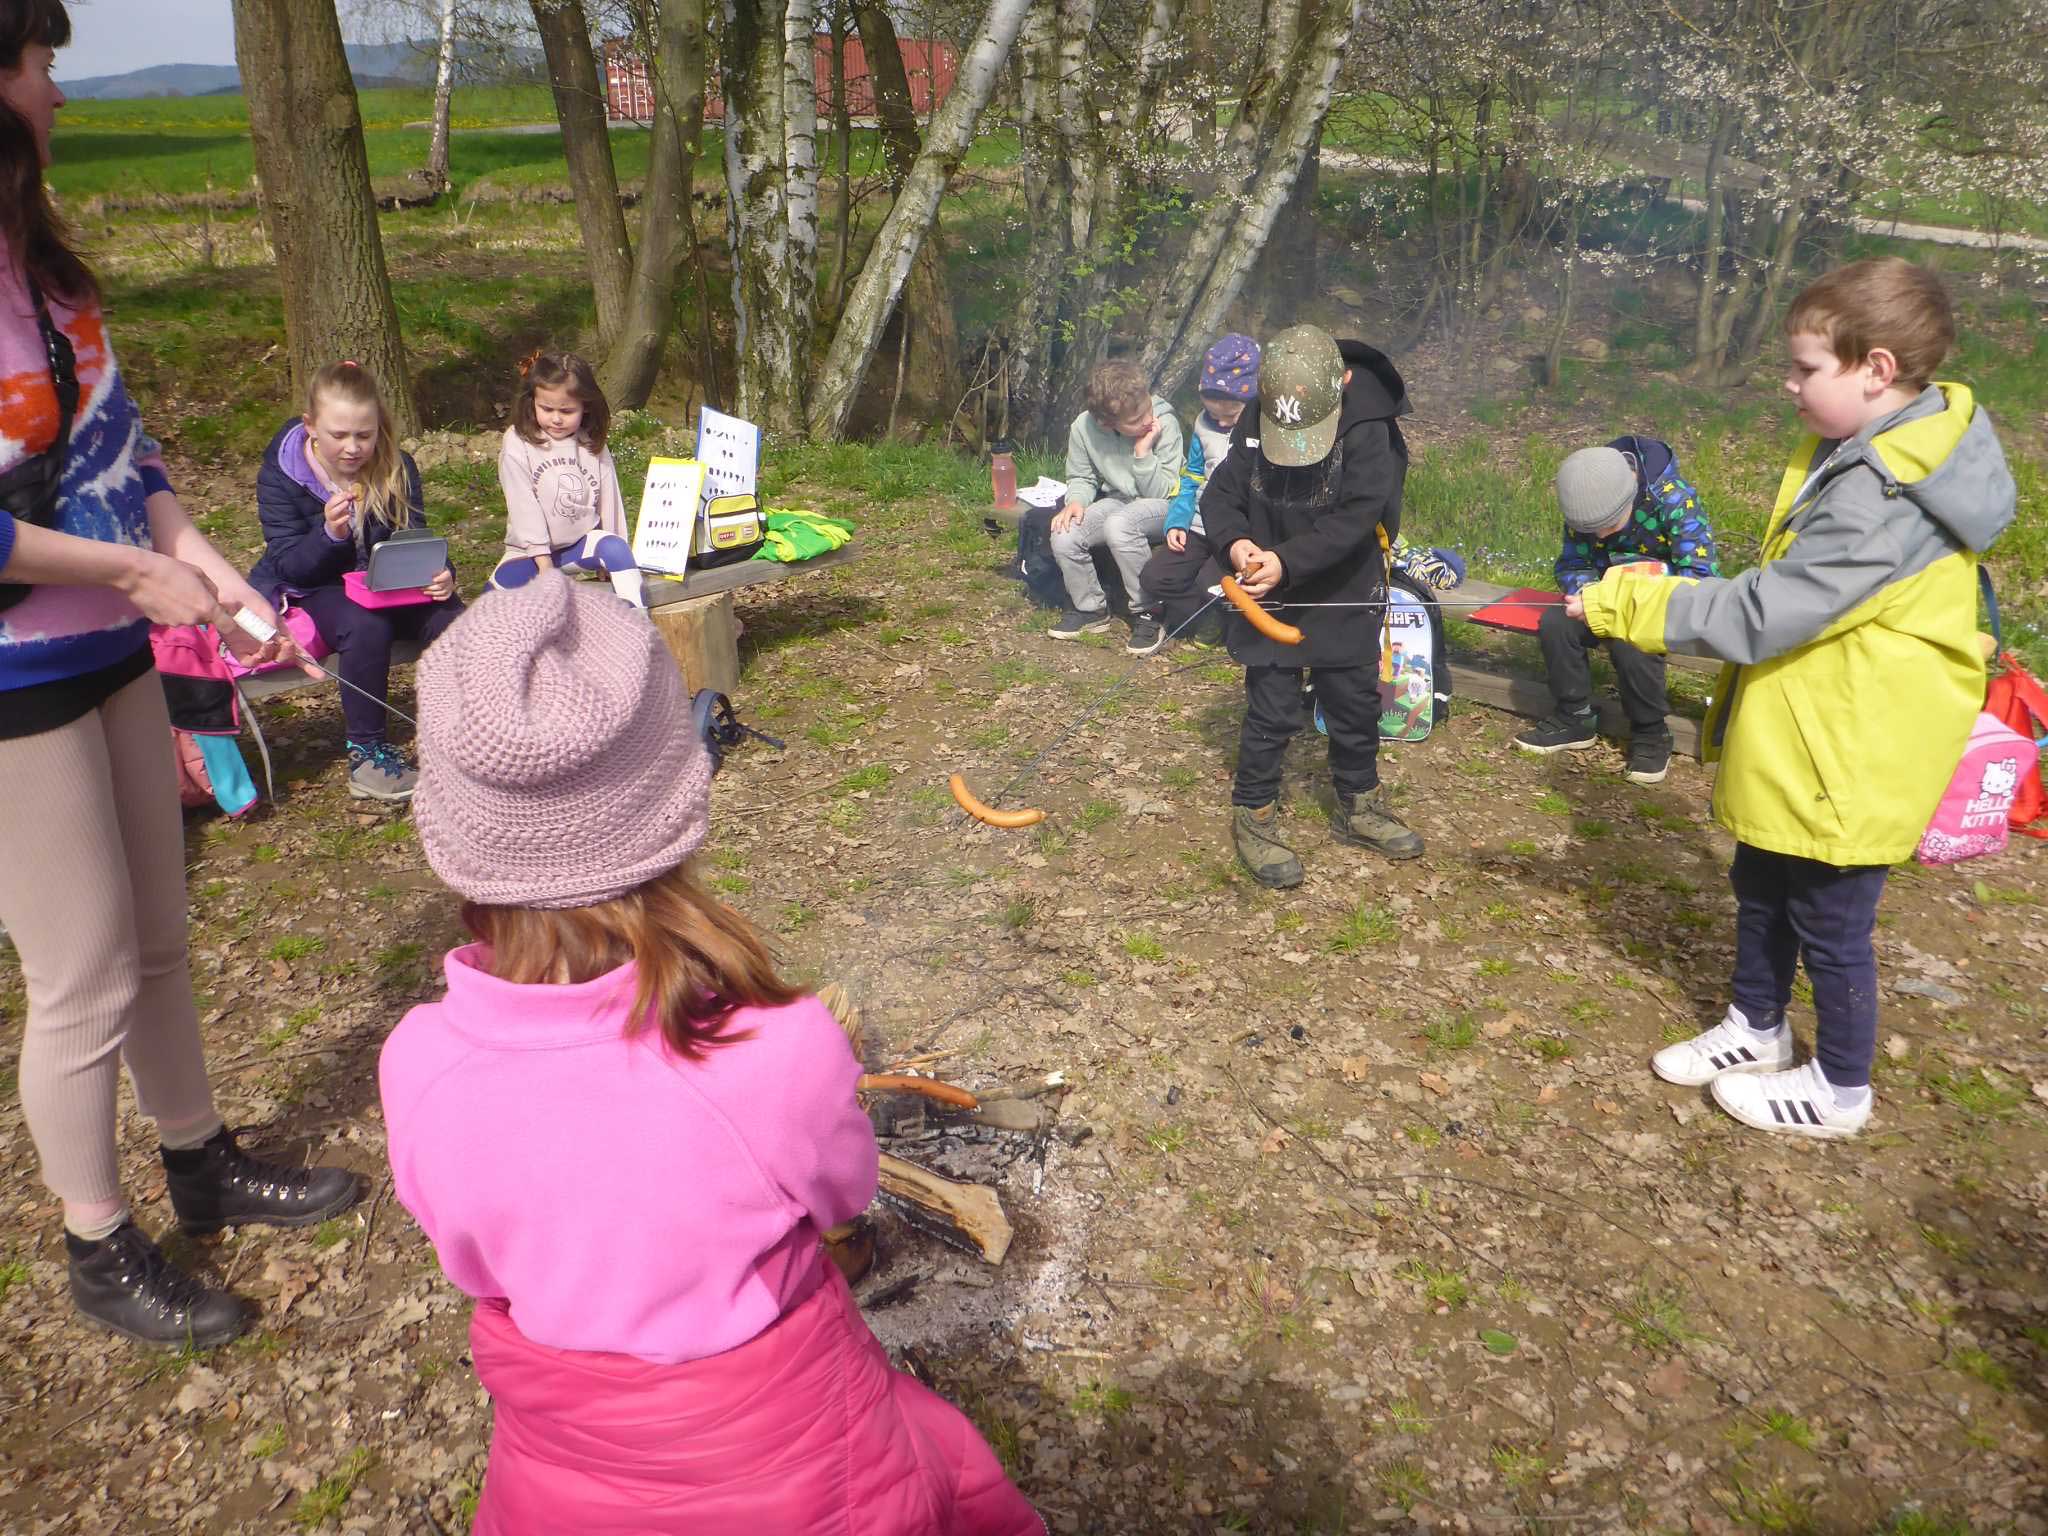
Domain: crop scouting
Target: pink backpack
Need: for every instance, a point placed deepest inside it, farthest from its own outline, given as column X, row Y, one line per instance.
column 1972, row 816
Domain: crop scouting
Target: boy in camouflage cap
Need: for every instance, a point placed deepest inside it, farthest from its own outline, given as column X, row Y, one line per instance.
column 1295, row 509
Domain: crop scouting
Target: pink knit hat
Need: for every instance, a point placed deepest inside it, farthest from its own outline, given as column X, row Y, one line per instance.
column 559, row 766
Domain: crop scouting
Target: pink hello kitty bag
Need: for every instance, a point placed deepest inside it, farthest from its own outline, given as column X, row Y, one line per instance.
column 1972, row 817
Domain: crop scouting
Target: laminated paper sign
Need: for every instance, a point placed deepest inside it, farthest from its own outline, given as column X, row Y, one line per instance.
column 730, row 451
column 670, row 504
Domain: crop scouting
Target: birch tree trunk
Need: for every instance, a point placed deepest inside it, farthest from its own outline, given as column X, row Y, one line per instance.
column 668, row 229
column 933, row 364
column 307, row 131
column 1079, row 122
column 800, row 165
column 587, row 146
column 1202, row 101
column 1712, row 245
column 1204, row 287
column 771, row 320
column 444, row 95
column 882, row 275
column 1029, row 334
column 1113, row 149
column 840, row 23
column 895, row 114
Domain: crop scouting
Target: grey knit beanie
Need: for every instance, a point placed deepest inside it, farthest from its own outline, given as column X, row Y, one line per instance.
column 1594, row 487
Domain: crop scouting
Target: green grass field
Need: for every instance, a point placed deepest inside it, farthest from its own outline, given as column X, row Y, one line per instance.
column 138, row 151
column 181, row 146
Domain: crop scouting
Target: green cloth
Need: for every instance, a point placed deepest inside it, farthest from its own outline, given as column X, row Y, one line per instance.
column 790, row 534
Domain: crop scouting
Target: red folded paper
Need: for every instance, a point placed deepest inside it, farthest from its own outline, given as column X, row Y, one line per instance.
column 1520, row 610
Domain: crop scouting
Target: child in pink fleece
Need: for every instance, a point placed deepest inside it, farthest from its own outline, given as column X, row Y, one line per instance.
column 624, row 1133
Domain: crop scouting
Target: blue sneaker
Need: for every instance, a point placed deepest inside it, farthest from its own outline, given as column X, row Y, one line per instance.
column 379, row 771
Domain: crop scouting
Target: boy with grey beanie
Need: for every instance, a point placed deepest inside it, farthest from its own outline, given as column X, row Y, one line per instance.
column 1623, row 504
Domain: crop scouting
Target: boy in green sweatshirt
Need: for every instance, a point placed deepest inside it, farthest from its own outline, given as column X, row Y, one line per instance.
column 1123, row 470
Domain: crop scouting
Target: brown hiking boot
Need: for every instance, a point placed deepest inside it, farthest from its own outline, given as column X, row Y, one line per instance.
column 1366, row 821
column 1256, row 835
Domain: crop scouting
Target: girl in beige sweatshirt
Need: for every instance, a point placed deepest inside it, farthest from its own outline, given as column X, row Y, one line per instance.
column 563, row 506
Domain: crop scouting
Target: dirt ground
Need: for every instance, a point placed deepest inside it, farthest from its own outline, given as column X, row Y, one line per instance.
column 1365, row 1214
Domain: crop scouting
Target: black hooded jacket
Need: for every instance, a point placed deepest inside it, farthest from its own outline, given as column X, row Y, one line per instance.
column 1320, row 520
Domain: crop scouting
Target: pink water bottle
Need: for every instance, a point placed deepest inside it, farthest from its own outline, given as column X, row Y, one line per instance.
column 1002, row 475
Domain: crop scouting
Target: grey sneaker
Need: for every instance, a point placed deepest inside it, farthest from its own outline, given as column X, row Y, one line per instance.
column 1256, row 836
column 380, row 772
column 1076, row 622
column 1366, row 821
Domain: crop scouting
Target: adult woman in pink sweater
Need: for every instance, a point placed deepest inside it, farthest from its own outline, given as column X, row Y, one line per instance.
column 624, row 1133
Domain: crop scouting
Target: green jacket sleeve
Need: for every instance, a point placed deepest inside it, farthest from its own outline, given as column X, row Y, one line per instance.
column 1082, row 486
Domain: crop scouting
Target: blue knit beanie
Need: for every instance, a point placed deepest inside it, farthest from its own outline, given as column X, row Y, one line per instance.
column 1231, row 368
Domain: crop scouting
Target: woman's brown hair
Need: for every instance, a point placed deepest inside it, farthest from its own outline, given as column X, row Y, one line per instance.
column 36, row 237
column 562, row 370
column 697, row 959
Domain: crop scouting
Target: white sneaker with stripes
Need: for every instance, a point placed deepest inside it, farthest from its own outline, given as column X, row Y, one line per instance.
column 1730, row 1046
column 1796, row 1103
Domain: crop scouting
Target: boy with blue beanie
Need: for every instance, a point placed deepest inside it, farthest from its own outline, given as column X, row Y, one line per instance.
column 1173, row 580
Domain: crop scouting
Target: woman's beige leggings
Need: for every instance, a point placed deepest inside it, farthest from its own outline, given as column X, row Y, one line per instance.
column 92, row 892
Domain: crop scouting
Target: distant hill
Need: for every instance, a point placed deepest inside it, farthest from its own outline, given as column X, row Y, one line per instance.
column 157, row 80
column 374, row 65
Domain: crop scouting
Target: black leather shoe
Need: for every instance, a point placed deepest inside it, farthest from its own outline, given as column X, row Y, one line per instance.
column 217, row 1185
column 124, row 1282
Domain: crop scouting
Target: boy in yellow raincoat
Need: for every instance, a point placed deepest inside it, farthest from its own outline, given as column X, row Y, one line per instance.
column 1854, row 677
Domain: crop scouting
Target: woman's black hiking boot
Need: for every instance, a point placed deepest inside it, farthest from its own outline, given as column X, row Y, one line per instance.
column 124, row 1282
column 217, row 1184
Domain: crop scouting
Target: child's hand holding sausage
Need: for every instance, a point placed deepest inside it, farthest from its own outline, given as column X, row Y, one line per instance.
column 1260, row 573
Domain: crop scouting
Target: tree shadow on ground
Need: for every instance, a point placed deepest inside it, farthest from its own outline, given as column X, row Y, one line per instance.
column 788, row 620
column 1197, row 1453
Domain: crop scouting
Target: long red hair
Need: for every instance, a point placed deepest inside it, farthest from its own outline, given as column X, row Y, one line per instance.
column 697, row 959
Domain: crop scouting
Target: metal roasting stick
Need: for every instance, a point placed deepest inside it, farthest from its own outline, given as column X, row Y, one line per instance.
column 1215, row 596
column 263, row 634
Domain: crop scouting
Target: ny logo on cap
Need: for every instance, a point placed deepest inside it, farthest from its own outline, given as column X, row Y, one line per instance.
column 1287, row 409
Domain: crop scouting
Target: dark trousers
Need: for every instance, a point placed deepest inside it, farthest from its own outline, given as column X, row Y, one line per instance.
column 1176, row 583
column 1274, row 713
column 1787, row 908
column 361, row 639
column 1568, row 647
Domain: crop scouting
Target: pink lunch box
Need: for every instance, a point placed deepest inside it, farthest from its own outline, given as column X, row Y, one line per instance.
column 357, row 585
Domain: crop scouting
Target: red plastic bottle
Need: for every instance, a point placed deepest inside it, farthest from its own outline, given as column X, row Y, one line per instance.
column 1002, row 475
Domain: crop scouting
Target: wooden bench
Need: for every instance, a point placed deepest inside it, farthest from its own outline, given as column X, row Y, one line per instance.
column 1531, row 696
column 695, row 616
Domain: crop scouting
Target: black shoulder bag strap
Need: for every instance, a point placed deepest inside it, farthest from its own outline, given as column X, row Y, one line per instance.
column 29, row 491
